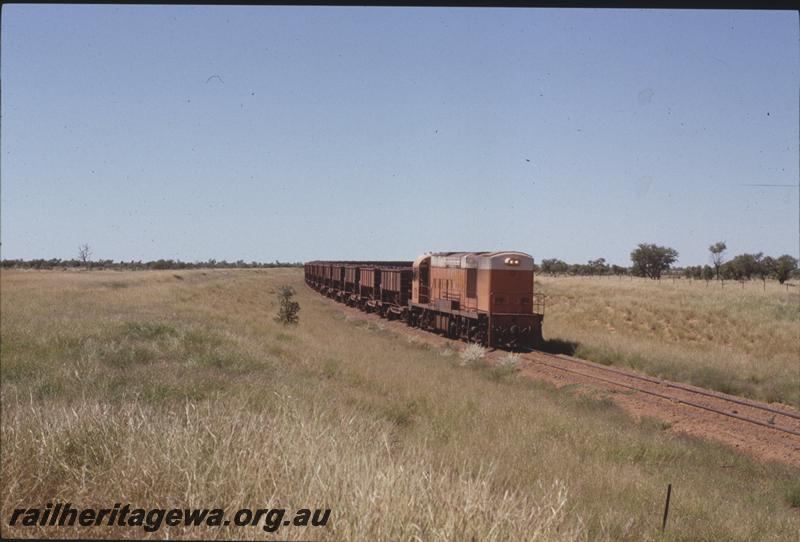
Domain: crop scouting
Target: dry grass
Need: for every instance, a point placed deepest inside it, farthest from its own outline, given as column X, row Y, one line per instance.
column 472, row 354
column 143, row 388
column 740, row 340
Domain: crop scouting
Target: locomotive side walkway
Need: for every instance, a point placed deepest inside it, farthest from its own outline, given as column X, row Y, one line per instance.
column 769, row 432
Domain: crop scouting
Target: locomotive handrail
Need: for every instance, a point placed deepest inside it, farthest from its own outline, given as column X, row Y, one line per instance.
column 539, row 303
column 451, row 296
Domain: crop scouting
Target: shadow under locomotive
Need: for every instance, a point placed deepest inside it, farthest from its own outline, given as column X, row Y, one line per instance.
column 482, row 297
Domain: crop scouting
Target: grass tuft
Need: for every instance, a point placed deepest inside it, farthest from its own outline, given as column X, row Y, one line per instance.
column 149, row 331
column 472, row 354
column 793, row 495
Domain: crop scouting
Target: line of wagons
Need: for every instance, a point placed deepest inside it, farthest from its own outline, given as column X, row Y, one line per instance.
column 482, row 297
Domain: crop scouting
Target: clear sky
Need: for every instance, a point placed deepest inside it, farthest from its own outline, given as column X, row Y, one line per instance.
column 292, row 133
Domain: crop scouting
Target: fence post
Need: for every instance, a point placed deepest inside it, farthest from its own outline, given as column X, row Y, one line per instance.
column 666, row 508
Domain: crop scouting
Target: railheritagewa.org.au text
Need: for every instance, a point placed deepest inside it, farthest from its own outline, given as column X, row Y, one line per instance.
column 152, row 519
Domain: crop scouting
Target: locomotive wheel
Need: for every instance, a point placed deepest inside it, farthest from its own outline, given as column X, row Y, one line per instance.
column 452, row 329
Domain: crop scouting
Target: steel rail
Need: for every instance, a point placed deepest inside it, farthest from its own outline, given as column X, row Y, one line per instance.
column 692, row 389
column 667, row 397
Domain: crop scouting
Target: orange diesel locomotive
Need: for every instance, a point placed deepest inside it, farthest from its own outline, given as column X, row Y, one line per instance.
column 483, row 297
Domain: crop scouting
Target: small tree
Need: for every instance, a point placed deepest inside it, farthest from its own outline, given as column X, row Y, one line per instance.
column 597, row 267
column 744, row 266
column 784, row 266
column 553, row 266
column 84, row 254
column 708, row 273
column 764, row 266
column 619, row 270
column 652, row 260
column 717, row 254
column 730, row 271
column 287, row 312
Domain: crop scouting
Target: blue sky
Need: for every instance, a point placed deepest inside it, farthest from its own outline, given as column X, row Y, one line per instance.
column 371, row 133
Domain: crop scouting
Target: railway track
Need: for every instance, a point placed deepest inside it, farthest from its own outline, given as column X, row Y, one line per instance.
column 768, row 432
column 745, row 410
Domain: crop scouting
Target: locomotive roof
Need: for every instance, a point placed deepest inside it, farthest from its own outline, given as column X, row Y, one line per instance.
column 484, row 260
column 487, row 254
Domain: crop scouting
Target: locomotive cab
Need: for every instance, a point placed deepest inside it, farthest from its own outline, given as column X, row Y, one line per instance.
column 511, row 288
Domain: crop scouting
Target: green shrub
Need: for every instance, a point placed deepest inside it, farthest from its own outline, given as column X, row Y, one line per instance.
column 287, row 312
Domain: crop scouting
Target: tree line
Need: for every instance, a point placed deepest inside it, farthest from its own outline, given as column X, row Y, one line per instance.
column 647, row 260
column 652, row 261
column 139, row 265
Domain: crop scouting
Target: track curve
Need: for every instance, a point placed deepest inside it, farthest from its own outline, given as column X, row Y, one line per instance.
column 761, row 414
column 766, row 431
